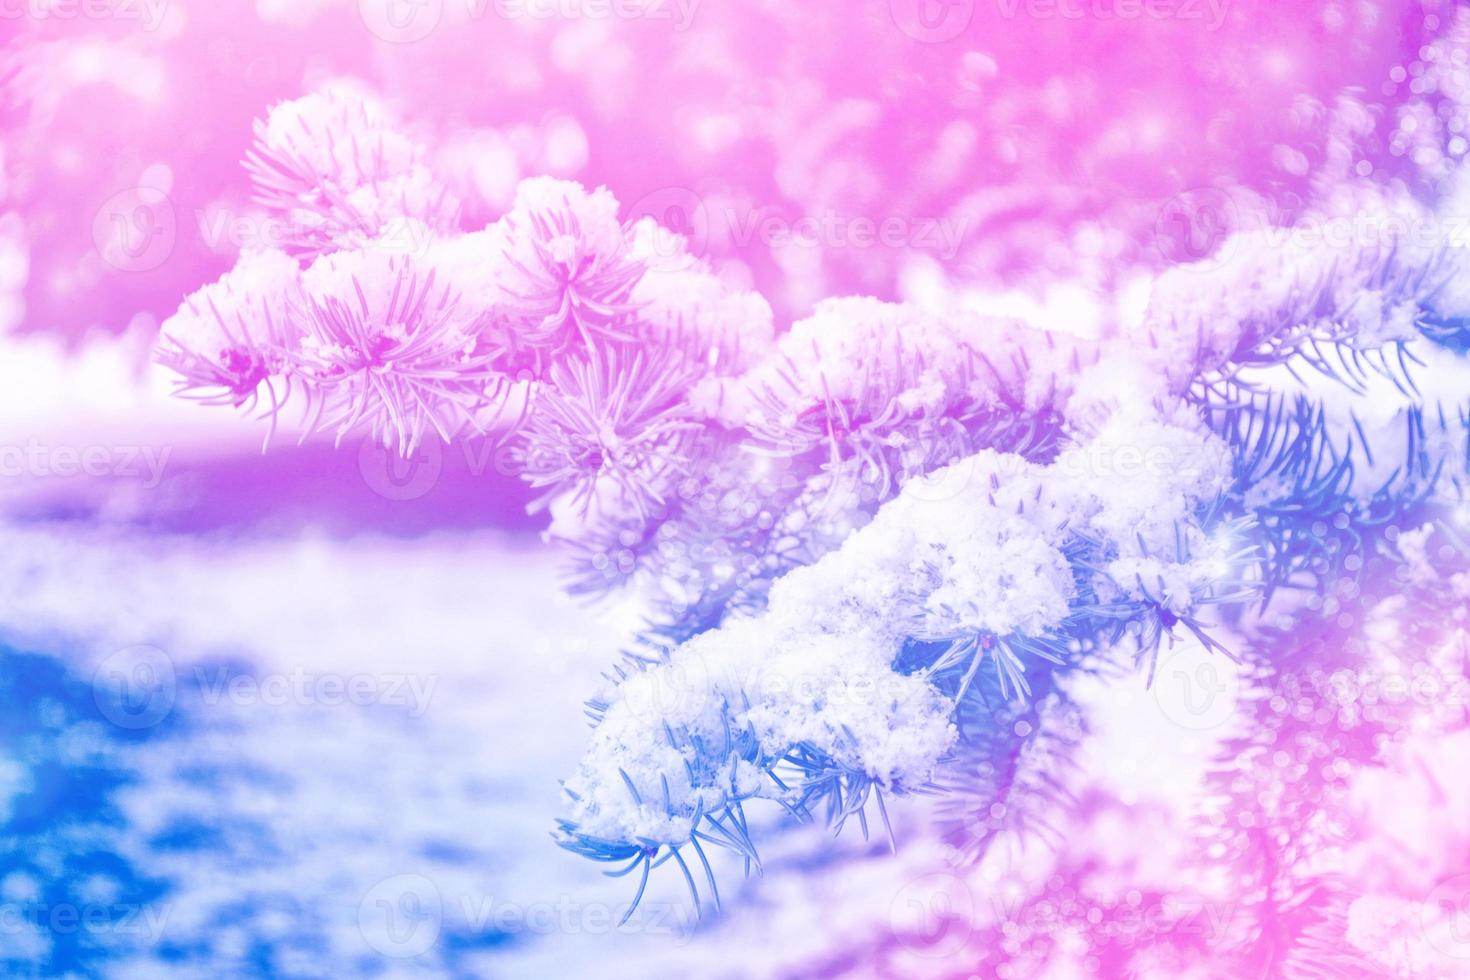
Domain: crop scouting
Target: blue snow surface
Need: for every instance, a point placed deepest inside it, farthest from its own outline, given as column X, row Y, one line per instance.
column 191, row 785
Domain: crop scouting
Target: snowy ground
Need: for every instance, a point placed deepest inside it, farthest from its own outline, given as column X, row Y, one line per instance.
column 236, row 813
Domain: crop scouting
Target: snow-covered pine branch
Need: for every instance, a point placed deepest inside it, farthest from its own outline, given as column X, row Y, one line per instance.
column 862, row 539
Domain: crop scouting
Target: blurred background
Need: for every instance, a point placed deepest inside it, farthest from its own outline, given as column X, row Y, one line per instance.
column 359, row 678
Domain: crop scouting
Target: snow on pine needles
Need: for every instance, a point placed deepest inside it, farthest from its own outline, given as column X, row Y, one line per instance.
column 864, row 541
